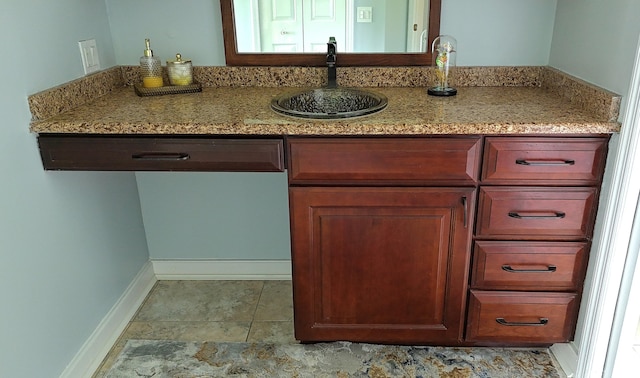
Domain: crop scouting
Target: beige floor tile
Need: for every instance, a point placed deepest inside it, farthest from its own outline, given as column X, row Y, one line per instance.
column 276, row 302
column 272, row 332
column 201, row 301
column 189, row 331
column 224, row 311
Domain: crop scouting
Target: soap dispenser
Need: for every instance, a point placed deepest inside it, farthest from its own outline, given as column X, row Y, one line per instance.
column 150, row 68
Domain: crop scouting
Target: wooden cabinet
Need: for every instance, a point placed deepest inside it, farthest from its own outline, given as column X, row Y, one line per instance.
column 527, row 265
column 388, row 244
column 505, row 317
column 381, row 263
column 536, row 211
column 149, row 153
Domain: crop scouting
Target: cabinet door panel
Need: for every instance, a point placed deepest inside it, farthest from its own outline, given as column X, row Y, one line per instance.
column 380, row 264
column 536, row 213
column 384, row 161
column 518, row 265
column 515, row 317
column 147, row 153
column 544, row 161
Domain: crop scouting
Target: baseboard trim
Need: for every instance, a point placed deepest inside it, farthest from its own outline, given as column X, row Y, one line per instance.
column 98, row 345
column 222, row 269
column 567, row 357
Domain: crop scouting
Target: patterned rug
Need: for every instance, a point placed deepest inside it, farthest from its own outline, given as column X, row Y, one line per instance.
column 175, row 359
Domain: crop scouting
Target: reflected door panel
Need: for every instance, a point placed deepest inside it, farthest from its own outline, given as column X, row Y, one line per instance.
column 281, row 25
column 323, row 19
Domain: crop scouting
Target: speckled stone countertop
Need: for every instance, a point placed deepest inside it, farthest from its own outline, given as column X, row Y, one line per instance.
column 536, row 108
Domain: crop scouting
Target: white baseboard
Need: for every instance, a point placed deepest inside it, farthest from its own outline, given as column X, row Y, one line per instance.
column 222, row 269
column 567, row 357
column 97, row 346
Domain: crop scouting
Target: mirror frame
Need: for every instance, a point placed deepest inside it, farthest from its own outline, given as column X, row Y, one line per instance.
column 235, row 58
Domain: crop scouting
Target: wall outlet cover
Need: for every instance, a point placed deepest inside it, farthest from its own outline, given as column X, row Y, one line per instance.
column 89, row 54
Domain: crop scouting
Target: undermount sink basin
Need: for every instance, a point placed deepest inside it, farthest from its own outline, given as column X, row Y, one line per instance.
column 329, row 103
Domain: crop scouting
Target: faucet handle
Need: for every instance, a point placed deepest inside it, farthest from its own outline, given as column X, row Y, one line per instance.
column 332, row 45
column 331, row 50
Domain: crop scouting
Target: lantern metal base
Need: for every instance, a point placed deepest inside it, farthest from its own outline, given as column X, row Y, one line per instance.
column 439, row 91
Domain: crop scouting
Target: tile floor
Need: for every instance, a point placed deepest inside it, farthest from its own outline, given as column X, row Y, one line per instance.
column 231, row 311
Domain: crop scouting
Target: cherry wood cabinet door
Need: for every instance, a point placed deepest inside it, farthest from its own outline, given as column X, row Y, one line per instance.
column 386, row 265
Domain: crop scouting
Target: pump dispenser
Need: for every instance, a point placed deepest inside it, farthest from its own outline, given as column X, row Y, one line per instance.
column 150, row 68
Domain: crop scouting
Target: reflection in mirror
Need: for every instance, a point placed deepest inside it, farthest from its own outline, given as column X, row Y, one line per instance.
column 295, row 32
column 299, row 26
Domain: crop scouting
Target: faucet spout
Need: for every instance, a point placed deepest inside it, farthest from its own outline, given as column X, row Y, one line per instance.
column 331, row 62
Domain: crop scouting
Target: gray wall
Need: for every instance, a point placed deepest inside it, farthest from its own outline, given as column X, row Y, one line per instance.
column 70, row 243
column 216, row 215
column 192, row 28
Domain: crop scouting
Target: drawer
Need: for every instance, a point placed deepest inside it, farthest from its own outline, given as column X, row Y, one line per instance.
column 544, row 161
column 536, row 213
column 381, row 161
column 160, row 154
column 515, row 265
column 505, row 317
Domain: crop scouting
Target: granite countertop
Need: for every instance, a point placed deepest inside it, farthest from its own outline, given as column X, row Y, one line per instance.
column 232, row 110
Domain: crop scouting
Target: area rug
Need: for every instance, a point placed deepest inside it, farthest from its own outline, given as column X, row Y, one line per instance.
column 175, row 359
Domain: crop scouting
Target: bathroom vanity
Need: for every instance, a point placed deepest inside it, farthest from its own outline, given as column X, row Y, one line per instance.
column 462, row 221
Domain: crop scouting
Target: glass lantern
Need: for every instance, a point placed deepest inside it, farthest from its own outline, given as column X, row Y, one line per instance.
column 443, row 50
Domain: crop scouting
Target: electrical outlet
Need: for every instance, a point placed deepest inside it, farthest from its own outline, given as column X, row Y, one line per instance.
column 364, row 14
column 89, row 53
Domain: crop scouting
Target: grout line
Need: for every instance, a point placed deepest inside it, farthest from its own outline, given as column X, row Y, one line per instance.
column 255, row 310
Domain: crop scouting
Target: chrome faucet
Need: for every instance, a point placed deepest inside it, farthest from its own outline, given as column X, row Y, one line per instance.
column 331, row 62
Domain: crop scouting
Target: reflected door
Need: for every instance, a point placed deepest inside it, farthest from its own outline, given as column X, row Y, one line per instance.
column 323, row 19
column 301, row 26
column 281, row 25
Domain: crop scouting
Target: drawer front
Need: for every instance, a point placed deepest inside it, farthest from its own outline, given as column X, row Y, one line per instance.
column 519, row 317
column 544, row 161
column 161, row 154
column 533, row 213
column 515, row 265
column 372, row 161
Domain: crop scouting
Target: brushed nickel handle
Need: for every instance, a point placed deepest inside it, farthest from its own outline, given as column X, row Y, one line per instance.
column 556, row 214
column 508, row 268
column 502, row 321
column 161, row 156
column 545, row 162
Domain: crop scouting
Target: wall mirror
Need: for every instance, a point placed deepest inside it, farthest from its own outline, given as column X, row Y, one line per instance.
column 296, row 32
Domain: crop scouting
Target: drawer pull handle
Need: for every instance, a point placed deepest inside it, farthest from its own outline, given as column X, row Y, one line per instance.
column 502, row 321
column 545, row 162
column 508, row 268
column 161, row 156
column 556, row 214
column 465, row 218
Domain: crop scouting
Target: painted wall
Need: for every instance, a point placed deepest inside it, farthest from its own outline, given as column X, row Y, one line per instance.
column 596, row 41
column 500, row 32
column 192, row 28
column 70, row 243
column 239, row 216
